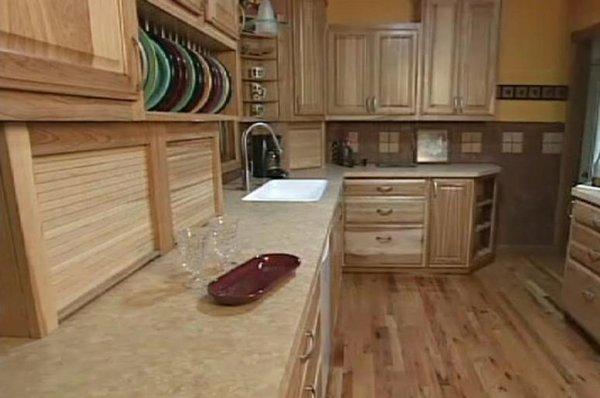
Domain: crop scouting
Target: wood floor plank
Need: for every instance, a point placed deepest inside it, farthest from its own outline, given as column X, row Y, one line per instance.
column 491, row 334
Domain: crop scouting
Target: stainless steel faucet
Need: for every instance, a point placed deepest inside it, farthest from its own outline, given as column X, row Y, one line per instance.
column 245, row 134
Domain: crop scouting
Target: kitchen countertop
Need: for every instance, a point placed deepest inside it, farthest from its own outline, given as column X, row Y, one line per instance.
column 151, row 336
column 458, row 170
column 588, row 193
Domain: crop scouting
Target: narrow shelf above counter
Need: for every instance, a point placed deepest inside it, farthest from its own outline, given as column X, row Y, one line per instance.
column 188, row 117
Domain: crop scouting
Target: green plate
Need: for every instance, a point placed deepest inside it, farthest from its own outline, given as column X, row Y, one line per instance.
column 163, row 76
column 152, row 78
column 191, row 79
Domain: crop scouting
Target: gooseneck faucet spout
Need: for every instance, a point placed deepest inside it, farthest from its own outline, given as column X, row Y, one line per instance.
column 244, row 143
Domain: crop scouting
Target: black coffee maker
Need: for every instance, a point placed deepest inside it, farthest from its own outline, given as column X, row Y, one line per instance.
column 266, row 161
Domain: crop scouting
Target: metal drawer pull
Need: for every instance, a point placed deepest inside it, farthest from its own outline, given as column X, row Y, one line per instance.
column 310, row 337
column 311, row 390
column 593, row 255
column 385, row 212
column 588, row 295
column 386, row 239
column 386, row 188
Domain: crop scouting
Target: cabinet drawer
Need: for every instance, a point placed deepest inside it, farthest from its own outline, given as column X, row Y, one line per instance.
column 585, row 246
column 581, row 296
column 384, row 246
column 380, row 187
column 587, row 215
column 362, row 210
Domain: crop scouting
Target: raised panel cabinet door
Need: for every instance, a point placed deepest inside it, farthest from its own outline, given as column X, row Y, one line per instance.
column 450, row 222
column 194, row 6
column 395, row 72
column 440, row 57
column 348, row 72
column 309, row 57
column 80, row 47
column 478, row 56
column 224, row 15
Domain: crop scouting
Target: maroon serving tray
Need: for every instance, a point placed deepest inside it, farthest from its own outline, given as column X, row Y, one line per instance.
column 251, row 280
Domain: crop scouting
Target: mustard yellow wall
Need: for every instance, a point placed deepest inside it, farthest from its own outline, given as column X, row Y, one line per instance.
column 533, row 45
column 584, row 13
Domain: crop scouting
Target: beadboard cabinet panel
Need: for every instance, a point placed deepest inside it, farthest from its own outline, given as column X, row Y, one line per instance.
column 305, row 142
column 80, row 47
column 309, row 56
column 190, row 168
column 96, row 217
column 348, row 75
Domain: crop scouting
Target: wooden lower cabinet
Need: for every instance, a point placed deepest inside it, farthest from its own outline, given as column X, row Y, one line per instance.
column 397, row 223
column 86, row 204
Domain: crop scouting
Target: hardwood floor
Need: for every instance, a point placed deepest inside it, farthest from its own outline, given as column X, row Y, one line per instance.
column 494, row 334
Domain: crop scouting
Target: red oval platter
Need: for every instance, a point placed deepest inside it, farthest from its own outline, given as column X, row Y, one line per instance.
column 250, row 281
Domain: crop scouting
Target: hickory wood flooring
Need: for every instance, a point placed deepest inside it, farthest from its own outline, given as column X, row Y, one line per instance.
column 496, row 333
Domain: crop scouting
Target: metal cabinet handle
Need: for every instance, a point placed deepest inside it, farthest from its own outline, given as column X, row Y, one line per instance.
column 375, row 104
column 368, row 104
column 435, row 188
column 455, row 104
column 381, row 239
column 385, row 188
column 588, row 295
column 310, row 337
column 571, row 206
column 311, row 390
column 139, row 50
column 385, row 212
column 460, row 104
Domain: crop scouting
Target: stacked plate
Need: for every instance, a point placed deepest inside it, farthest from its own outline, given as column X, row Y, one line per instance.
column 178, row 78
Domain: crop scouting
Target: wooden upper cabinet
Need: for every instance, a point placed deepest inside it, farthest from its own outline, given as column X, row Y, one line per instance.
column 395, row 72
column 194, row 6
column 451, row 222
column 440, row 65
column 309, row 54
column 460, row 53
column 348, row 73
column 224, row 15
column 80, row 47
column 478, row 56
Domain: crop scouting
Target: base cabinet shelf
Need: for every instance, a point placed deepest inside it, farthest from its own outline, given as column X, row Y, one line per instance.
column 86, row 204
column 394, row 224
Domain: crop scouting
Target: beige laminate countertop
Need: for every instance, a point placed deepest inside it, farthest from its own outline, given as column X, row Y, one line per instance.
column 587, row 193
column 150, row 336
column 457, row 170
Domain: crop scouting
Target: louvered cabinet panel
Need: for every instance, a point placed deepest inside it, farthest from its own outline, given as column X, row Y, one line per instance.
column 190, row 165
column 96, row 219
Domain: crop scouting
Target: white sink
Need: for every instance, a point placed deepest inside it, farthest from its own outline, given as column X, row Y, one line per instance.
column 288, row 191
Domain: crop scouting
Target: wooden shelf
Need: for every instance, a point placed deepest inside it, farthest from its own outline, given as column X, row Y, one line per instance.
column 484, row 203
column 483, row 226
column 486, row 251
column 261, row 101
column 188, row 117
column 247, row 79
column 257, row 36
column 248, row 119
column 258, row 57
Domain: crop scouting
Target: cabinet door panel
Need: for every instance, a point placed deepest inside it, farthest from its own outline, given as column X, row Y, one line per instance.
column 348, row 72
column 440, row 57
column 309, row 53
column 478, row 56
column 224, row 15
column 395, row 72
column 81, row 47
column 451, row 223
column 305, row 145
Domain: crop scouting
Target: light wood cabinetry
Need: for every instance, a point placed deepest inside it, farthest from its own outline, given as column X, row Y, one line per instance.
column 460, row 53
column 224, row 15
column 309, row 57
column 581, row 286
column 398, row 223
column 79, row 47
column 86, row 204
column 373, row 71
column 305, row 143
column 451, row 220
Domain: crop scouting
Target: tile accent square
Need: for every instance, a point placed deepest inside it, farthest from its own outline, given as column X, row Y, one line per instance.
column 512, row 142
column 389, row 142
column 552, row 143
column 471, row 142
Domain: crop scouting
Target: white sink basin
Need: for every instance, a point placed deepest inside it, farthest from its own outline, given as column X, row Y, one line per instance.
column 288, row 191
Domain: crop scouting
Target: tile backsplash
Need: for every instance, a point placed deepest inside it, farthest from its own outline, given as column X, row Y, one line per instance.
column 529, row 154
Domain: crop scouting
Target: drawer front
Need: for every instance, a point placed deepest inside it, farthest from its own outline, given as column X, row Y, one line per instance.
column 587, row 215
column 585, row 246
column 361, row 210
column 381, row 187
column 581, row 297
column 384, row 247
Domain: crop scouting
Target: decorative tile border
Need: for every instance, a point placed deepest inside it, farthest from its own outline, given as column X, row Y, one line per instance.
column 527, row 92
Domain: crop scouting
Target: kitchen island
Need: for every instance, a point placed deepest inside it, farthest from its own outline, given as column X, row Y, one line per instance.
column 151, row 336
